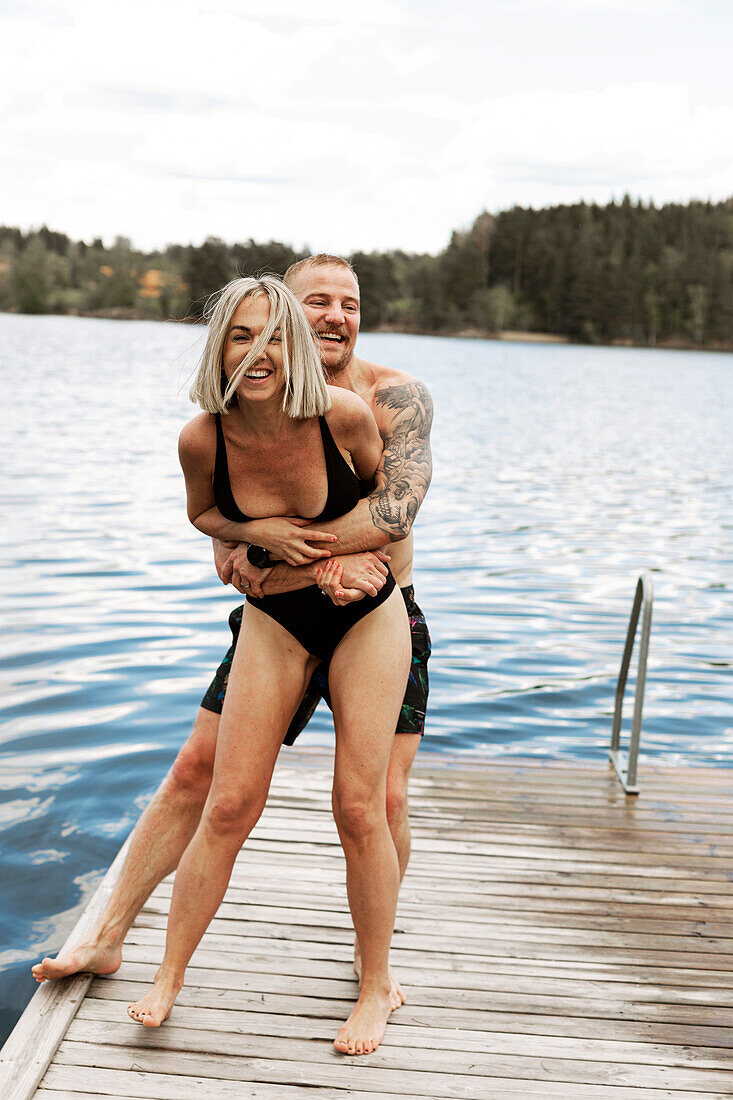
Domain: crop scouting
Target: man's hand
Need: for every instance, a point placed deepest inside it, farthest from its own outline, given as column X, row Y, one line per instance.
column 240, row 572
column 222, row 550
column 351, row 577
column 366, row 572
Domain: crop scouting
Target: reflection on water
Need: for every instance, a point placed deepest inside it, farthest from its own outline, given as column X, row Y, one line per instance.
column 560, row 474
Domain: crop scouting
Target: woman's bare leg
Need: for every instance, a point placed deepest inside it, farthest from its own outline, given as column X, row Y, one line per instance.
column 367, row 679
column 266, row 683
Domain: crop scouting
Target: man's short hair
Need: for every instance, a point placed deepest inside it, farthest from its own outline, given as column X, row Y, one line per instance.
column 322, row 259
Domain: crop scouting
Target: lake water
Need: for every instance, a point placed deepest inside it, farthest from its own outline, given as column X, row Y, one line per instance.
column 561, row 473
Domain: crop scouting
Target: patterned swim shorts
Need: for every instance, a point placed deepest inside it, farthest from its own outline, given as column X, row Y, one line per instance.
column 412, row 713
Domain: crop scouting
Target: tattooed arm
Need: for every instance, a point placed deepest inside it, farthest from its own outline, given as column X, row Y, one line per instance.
column 402, row 477
column 406, row 467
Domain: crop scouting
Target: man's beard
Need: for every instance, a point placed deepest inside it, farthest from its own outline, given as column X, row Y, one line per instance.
column 333, row 369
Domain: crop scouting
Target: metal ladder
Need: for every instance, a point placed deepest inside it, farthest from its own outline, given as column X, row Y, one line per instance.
column 626, row 766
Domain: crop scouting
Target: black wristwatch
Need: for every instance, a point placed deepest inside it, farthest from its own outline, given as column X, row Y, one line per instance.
column 259, row 557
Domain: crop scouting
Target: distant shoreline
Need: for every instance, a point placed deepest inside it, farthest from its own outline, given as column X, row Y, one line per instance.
column 507, row 336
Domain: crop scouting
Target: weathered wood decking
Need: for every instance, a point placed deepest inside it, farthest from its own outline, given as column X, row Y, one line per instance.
column 556, row 939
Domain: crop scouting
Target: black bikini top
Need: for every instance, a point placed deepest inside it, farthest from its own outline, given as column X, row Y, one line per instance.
column 344, row 488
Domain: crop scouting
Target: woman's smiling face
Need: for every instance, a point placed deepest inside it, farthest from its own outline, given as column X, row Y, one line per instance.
column 264, row 377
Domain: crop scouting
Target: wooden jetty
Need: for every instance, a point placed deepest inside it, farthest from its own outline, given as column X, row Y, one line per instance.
column 556, row 938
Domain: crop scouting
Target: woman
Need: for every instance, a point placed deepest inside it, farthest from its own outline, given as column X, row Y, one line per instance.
column 272, row 442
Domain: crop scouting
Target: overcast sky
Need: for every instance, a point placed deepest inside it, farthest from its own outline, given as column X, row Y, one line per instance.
column 342, row 126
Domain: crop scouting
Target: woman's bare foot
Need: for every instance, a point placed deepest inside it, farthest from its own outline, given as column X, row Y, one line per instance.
column 156, row 1005
column 91, row 956
column 364, row 1030
column 396, row 992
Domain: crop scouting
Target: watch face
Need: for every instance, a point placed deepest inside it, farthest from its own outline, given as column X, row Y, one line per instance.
column 257, row 556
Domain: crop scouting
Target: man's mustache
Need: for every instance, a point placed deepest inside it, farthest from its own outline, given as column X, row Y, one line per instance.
column 332, row 330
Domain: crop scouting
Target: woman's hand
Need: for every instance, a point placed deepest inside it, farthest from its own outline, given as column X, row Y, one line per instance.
column 329, row 582
column 288, row 539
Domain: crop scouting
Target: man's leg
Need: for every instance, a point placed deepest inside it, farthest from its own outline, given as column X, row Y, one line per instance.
column 403, row 755
column 158, row 842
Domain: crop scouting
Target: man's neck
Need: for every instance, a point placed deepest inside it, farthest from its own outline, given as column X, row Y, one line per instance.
column 352, row 376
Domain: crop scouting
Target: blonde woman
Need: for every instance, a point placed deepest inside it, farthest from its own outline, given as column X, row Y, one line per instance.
column 275, row 440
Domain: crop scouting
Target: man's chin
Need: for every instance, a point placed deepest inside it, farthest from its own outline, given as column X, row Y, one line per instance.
column 335, row 360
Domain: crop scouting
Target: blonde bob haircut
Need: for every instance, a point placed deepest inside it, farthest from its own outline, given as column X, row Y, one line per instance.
column 306, row 393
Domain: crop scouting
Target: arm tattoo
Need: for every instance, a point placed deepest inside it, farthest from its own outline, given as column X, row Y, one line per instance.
column 404, row 472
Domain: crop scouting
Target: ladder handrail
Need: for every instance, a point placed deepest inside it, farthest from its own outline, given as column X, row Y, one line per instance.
column 643, row 600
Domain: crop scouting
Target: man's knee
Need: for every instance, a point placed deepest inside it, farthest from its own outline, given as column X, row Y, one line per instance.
column 194, row 766
column 398, row 776
column 396, row 800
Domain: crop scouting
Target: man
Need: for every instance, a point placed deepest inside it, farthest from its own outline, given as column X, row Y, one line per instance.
column 327, row 288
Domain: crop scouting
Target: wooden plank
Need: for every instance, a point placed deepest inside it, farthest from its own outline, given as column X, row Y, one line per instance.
column 471, row 859
column 604, row 1007
column 409, row 1036
column 263, row 903
column 326, row 894
column 369, row 1074
column 548, row 948
column 526, row 963
column 485, row 1019
column 417, row 934
column 33, row 1041
column 137, row 1085
column 314, row 1051
column 587, row 950
column 425, row 974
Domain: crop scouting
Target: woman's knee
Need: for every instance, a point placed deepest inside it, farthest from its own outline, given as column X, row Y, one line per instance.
column 358, row 813
column 233, row 814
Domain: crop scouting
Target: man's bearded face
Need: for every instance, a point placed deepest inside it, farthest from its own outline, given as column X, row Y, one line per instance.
column 330, row 300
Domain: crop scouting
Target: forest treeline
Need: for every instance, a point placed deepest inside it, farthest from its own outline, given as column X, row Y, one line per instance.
column 624, row 272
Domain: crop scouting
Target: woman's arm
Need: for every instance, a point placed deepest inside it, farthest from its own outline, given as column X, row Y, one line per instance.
column 197, row 454
column 284, row 538
column 355, row 430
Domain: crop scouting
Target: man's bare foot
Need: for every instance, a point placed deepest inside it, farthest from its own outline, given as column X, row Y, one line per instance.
column 363, row 1031
column 156, row 1005
column 87, row 957
column 396, row 992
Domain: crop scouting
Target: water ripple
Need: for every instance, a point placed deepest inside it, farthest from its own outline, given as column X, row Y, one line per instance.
column 561, row 473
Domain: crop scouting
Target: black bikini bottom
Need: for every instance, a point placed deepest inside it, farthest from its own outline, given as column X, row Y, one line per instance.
column 314, row 620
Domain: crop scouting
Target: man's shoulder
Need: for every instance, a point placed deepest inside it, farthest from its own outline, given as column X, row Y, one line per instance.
column 397, row 394
column 383, row 378
column 390, row 388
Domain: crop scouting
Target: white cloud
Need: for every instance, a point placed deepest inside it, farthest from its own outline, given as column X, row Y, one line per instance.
column 344, row 126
